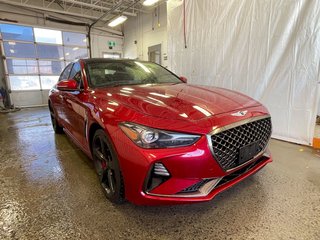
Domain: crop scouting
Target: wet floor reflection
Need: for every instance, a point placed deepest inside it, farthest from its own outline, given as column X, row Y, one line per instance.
column 49, row 190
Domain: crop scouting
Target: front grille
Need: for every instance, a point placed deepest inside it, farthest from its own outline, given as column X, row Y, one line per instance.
column 226, row 144
column 195, row 187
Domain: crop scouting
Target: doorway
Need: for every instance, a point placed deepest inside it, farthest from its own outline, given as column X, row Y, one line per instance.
column 154, row 54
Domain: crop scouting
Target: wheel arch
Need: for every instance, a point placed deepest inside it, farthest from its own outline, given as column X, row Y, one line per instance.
column 50, row 104
column 93, row 128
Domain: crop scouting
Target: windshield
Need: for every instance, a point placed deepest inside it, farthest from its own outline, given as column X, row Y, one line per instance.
column 104, row 74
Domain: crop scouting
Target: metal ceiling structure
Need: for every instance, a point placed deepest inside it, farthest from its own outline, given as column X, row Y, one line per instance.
column 84, row 9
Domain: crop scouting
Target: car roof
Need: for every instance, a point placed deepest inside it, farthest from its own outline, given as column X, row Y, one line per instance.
column 92, row 60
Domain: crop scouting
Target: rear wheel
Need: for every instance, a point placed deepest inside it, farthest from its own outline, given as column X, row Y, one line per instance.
column 55, row 125
column 107, row 167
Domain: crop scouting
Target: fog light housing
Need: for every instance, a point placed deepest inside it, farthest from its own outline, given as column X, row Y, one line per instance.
column 157, row 175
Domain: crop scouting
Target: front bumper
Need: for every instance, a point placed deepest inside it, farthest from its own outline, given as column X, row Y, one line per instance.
column 187, row 166
column 211, row 189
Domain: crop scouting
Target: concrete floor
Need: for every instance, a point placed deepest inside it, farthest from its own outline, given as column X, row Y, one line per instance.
column 49, row 190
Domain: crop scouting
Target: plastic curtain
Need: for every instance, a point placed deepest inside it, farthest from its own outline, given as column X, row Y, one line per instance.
column 267, row 49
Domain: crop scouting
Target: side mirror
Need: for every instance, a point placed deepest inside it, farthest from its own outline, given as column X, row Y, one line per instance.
column 68, row 85
column 183, row 79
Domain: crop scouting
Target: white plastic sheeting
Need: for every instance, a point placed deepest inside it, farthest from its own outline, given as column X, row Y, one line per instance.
column 267, row 49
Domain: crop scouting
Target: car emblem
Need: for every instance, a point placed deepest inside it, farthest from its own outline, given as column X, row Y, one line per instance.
column 240, row 113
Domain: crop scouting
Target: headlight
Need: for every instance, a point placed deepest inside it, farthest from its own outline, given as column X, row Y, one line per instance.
column 146, row 137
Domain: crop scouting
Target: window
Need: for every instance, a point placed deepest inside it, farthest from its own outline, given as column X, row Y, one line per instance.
column 50, row 67
column 50, row 51
column 22, row 66
column 48, row 82
column 35, row 57
column 47, row 36
column 65, row 74
column 77, row 39
column 24, row 82
column 72, row 53
column 19, row 50
column 76, row 73
column 16, row 32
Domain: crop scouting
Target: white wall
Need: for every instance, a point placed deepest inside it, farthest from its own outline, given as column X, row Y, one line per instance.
column 145, row 30
column 99, row 44
column 267, row 49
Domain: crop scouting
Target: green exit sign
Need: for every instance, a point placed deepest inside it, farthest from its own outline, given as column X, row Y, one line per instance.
column 111, row 43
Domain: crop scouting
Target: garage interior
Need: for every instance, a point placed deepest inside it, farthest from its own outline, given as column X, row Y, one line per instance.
column 269, row 50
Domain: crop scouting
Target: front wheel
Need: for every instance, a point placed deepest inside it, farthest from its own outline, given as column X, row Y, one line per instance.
column 107, row 167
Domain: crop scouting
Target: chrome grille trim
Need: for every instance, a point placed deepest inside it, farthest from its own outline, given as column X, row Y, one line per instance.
column 230, row 166
column 195, row 187
column 236, row 124
column 202, row 192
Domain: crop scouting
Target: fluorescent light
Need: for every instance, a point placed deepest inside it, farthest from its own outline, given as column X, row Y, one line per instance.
column 202, row 110
column 117, row 21
column 183, row 115
column 157, row 100
column 75, row 48
column 128, row 89
column 149, row 2
column 124, row 91
column 12, row 43
column 160, row 95
column 113, row 103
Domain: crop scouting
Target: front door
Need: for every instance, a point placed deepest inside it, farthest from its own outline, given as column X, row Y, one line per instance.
column 75, row 109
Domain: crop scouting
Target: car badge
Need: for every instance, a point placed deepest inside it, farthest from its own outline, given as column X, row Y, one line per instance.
column 240, row 113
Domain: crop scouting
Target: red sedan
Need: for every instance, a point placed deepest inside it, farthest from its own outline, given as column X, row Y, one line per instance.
column 153, row 138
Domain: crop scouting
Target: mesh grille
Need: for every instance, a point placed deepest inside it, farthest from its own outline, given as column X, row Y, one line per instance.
column 226, row 144
column 195, row 187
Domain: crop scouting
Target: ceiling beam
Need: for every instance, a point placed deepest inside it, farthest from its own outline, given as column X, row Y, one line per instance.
column 93, row 6
column 41, row 9
column 9, row 2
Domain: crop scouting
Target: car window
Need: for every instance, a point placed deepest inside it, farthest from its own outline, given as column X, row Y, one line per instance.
column 102, row 74
column 76, row 73
column 66, row 72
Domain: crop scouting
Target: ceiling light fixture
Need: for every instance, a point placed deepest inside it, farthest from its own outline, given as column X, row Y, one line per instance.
column 118, row 20
column 149, row 2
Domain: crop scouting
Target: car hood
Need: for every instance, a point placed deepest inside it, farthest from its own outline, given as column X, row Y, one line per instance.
column 175, row 101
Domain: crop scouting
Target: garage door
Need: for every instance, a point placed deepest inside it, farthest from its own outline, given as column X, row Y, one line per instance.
column 34, row 58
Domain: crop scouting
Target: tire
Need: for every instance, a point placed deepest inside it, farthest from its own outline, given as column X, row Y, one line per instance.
column 55, row 124
column 107, row 167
